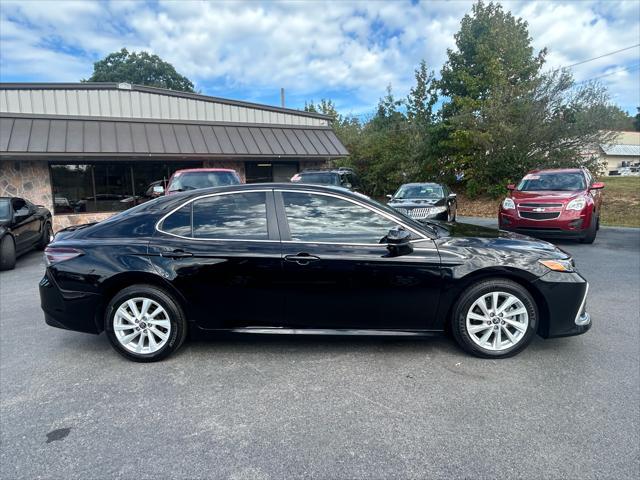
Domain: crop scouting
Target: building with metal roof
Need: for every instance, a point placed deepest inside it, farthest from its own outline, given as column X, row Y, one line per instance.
column 61, row 144
column 623, row 153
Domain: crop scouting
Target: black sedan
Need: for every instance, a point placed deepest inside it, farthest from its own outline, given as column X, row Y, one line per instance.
column 286, row 258
column 425, row 201
column 23, row 227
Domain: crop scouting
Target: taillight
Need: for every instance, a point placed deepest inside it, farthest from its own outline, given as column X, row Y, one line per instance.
column 54, row 255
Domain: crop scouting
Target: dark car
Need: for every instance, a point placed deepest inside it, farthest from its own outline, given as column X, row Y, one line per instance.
column 560, row 203
column 195, row 178
column 425, row 201
column 286, row 258
column 23, row 227
column 338, row 177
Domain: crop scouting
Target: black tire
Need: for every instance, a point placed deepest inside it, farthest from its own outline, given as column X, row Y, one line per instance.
column 7, row 253
column 47, row 231
column 592, row 231
column 476, row 291
column 598, row 223
column 178, row 331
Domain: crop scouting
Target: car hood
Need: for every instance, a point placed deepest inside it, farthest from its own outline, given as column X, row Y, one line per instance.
column 546, row 196
column 476, row 237
column 5, row 223
column 416, row 202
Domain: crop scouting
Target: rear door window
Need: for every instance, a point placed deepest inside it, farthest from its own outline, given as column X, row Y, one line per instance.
column 233, row 216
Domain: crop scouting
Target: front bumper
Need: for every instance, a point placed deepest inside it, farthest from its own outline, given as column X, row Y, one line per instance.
column 568, row 225
column 565, row 311
column 68, row 309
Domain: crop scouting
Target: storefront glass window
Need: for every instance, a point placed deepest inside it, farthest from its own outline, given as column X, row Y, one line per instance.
column 109, row 186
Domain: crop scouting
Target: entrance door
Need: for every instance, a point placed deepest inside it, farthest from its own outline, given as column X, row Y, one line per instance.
column 264, row 172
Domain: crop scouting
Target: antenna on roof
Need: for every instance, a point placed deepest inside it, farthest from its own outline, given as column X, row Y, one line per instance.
column 282, row 97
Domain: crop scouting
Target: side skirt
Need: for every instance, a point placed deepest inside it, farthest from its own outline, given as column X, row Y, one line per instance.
column 331, row 331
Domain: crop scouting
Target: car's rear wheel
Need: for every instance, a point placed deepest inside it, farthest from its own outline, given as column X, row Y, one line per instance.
column 495, row 318
column 145, row 323
column 7, row 253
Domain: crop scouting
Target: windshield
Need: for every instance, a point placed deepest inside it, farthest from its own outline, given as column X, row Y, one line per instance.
column 557, row 181
column 5, row 209
column 317, row 178
column 419, row 191
column 195, row 180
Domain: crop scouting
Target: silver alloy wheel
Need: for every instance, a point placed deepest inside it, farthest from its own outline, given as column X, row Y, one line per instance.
column 497, row 321
column 141, row 325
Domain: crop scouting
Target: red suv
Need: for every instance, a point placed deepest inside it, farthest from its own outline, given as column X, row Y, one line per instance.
column 562, row 203
column 194, row 178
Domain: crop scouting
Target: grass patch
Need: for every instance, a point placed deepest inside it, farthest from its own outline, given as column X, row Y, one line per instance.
column 621, row 206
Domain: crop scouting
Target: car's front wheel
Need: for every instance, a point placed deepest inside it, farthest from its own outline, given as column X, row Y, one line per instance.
column 495, row 318
column 145, row 323
column 47, row 233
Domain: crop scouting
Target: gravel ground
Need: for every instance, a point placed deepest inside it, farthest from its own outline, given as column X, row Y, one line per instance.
column 292, row 407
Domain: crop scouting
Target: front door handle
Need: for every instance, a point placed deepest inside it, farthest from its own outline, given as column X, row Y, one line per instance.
column 301, row 258
column 176, row 254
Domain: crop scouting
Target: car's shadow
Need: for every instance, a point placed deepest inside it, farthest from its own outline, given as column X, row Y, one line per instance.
column 440, row 348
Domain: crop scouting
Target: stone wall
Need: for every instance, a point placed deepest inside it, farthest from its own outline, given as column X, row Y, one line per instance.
column 27, row 179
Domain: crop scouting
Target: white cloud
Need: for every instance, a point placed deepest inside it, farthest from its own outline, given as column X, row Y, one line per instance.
column 349, row 50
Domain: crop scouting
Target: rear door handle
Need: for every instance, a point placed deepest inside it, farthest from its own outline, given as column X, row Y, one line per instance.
column 301, row 258
column 176, row 254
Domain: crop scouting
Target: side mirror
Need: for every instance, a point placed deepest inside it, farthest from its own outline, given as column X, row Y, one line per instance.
column 596, row 186
column 398, row 242
column 389, row 196
column 511, row 186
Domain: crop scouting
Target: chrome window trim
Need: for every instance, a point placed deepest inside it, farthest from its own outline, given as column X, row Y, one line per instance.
column 266, row 190
column 162, row 219
column 360, row 204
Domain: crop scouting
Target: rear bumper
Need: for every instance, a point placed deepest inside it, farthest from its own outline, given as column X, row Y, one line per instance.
column 68, row 309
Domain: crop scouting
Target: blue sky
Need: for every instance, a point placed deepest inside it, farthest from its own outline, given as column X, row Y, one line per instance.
column 346, row 51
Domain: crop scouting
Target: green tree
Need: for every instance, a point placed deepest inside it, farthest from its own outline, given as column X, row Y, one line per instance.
column 139, row 68
column 636, row 120
column 503, row 115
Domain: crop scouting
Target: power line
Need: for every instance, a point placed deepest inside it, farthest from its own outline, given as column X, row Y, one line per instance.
column 623, row 69
column 601, row 56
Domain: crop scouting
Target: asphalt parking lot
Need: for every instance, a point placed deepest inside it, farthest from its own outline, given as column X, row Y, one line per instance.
column 291, row 407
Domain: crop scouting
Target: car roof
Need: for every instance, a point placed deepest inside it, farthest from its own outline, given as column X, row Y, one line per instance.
column 558, row 170
column 177, row 198
column 185, row 170
column 421, row 184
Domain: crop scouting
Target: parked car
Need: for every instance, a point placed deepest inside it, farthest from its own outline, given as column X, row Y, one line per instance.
column 195, row 178
column 339, row 177
column 287, row 258
column 425, row 200
column 562, row 203
column 23, row 227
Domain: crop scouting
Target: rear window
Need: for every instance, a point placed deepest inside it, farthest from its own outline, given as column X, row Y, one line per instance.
column 194, row 180
column 317, row 178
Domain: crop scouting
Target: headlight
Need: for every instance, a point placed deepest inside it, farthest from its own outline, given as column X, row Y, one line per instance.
column 558, row 265
column 437, row 209
column 577, row 204
column 508, row 204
